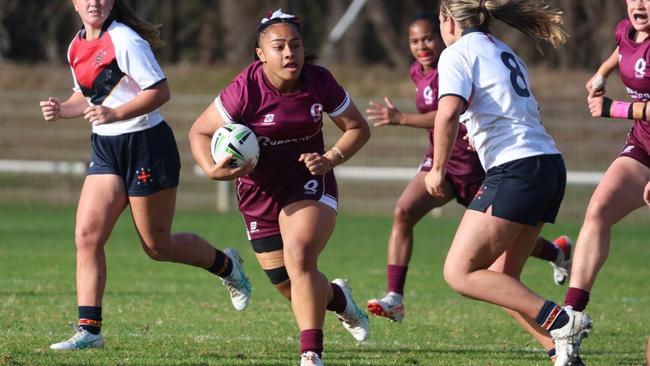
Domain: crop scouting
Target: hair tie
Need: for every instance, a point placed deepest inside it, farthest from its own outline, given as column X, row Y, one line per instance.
column 278, row 14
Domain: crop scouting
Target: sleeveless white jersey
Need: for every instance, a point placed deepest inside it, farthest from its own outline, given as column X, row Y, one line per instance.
column 502, row 117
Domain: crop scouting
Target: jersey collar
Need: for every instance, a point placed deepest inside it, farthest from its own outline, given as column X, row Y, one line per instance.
column 480, row 29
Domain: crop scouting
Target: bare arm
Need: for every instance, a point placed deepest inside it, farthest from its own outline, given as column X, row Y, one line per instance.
column 53, row 109
column 355, row 134
column 596, row 85
column 444, row 136
column 200, row 136
column 145, row 102
column 382, row 115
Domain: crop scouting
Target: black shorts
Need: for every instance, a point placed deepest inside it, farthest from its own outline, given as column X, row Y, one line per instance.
column 147, row 160
column 527, row 191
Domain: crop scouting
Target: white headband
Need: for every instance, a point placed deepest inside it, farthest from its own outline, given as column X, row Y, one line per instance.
column 278, row 14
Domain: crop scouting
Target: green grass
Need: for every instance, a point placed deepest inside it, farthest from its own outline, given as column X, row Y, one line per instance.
column 169, row 314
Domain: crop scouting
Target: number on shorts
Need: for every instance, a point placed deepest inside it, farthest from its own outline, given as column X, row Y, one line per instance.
column 516, row 74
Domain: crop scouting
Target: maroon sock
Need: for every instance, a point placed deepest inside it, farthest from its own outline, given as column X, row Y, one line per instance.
column 576, row 298
column 549, row 251
column 338, row 303
column 311, row 340
column 396, row 276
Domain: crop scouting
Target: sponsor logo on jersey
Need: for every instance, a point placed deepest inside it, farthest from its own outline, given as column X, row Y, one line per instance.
column 265, row 141
column 317, row 112
column 269, row 119
column 639, row 68
column 638, row 95
column 253, row 227
column 311, row 187
column 627, row 149
column 428, row 95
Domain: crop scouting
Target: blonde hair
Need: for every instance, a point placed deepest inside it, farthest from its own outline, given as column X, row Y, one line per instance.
column 537, row 19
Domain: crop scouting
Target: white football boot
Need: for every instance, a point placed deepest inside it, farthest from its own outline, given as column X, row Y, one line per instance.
column 562, row 263
column 310, row 359
column 390, row 306
column 568, row 338
column 354, row 319
column 237, row 282
column 80, row 340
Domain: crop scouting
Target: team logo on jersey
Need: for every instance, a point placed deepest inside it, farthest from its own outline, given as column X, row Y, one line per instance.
column 144, row 176
column 269, row 119
column 639, row 68
column 100, row 57
column 428, row 95
column 317, row 112
column 311, row 187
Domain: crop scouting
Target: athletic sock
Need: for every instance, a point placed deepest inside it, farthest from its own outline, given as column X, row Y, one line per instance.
column 576, row 298
column 90, row 318
column 551, row 316
column 222, row 265
column 549, row 251
column 396, row 277
column 338, row 302
column 311, row 340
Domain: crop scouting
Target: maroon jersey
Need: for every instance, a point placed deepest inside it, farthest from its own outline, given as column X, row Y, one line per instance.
column 286, row 124
column 462, row 161
column 633, row 67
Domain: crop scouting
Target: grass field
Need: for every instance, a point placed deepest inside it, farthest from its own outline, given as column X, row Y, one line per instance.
column 168, row 314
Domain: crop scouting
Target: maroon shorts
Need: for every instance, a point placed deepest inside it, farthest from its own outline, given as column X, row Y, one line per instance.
column 465, row 187
column 635, row 148
column 260, row 205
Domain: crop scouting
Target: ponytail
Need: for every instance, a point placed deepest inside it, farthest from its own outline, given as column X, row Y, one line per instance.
column 123, row 13
column 537, row 19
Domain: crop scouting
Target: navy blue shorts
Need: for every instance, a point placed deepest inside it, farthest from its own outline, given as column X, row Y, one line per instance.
column 527, row 191
column 147, row 160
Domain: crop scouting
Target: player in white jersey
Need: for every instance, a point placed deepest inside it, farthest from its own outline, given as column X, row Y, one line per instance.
column 524, row 186
column 118, row 88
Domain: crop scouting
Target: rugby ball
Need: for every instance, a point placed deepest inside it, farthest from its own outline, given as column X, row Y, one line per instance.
column 236, row 140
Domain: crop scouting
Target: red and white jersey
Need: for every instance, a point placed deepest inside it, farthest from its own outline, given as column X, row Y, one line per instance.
column 286, row 124
column 112, row 70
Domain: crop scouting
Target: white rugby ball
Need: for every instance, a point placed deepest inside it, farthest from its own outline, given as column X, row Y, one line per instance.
column 236, row 140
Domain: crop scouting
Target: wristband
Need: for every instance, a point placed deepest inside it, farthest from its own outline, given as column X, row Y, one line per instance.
column 598, row 82
column 624, row 110
column 621, row 110
column 338, row 153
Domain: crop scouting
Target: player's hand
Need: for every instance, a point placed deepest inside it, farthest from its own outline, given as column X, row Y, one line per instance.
column 434, row 182
column 381, row 115
column 99, row 115
column 470, row 147
column 51, row 109
column 316, row 163
column 596, row 85
column 646, row 194
column 595, row 106
column 222, row 170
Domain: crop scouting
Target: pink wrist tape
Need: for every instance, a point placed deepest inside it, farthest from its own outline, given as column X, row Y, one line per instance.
column 620, row 109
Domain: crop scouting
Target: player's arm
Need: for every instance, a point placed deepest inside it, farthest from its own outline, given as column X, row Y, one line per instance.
column 646, row 198
column 389, row 114
column 145, row 102
column 608, row 108
column 596, row 85
column 53, row 109
column 200, row 136
column 444, row 136
column 355, row 134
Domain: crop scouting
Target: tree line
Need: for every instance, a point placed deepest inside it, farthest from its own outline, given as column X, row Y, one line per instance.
column 223, row 31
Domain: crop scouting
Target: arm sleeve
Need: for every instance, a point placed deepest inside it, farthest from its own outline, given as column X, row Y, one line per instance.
column 335, row 99
column 231, row 100
column 135, row 58
column 621, row 28
column 455, row 77
column 75, row 86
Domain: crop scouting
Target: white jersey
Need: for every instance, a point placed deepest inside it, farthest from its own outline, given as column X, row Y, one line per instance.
column 502, row 117
column 114, row 69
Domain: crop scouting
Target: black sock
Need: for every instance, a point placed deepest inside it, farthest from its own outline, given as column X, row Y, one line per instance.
column 222, row 265
column 551, row 316
column 551, row 352
column 90, row 318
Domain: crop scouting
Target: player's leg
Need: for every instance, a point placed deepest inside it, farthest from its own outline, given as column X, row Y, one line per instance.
column 153, row 215
column 269, row 252
column 412, row 205
column 558, row 254
column 618, row 193
column 102, row 200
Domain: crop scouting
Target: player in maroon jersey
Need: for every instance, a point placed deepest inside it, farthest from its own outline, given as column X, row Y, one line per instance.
column 620, row 191
column 118, row 88
column 464, row 174
column 289, row 201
